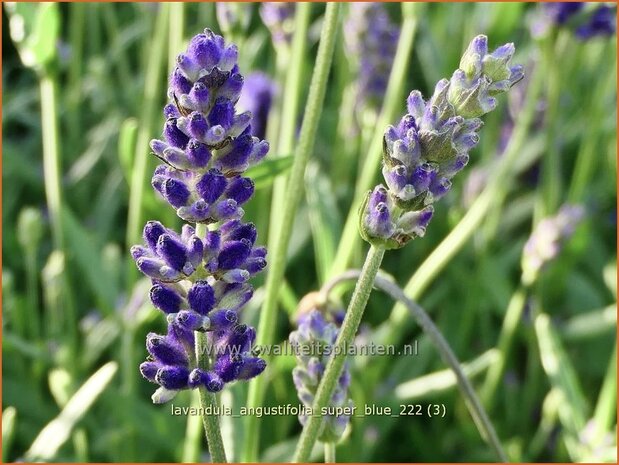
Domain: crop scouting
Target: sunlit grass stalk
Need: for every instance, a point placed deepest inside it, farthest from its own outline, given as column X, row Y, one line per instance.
column 393, row 96
column 176, row 31
column 208, row 400
column 347, row 333
column 289, row 64
column 493, row 194
column 193, row 434
column 150, row 114
column 330, row 452
column 294, row 191
column 52, row 170
column 475, row 407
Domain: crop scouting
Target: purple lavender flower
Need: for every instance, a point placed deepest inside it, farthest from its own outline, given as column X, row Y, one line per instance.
column 201, row 283
column 257, row 97
column 279, row 18
column 313, row 343
column 561, row 12
column 430, row 144
column 602, row 22
column 372, row 39
column 547, row 239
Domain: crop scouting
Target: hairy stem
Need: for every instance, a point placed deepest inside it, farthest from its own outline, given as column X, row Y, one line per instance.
column 208, row 400
column 333, row 371
column 294, row 191
column 475, row 407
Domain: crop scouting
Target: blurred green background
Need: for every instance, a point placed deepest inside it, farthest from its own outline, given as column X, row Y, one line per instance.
column 83, row 88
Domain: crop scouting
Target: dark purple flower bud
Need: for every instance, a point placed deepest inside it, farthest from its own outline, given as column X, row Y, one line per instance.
column 211, row 186
column 149, row 370
column 228, row 367
column 172, row 251
column 236, row 155
column 165, row 298
column 175, row 192
column 178, row 81
column 251, row 367
column 173, row 135
column 152, row 231
column 232, row 88
column 240, row 190
column 198, row 153
column 222, row 113
column 226, row 209
column 561, row 12
column 255, row 265
column 192, row 321
column 210, row 380
column 201, row 297
column 173, row 377
column 223, row 320
column 197, row 126
column 205, row 50
column 199, row 96
column 165, row 350
column 377, row 221
column 233, row 254
column 439, row 187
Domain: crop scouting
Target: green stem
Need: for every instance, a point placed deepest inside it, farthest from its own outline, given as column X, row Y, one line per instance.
column 393, row 101
column 330, row 452
column 51, row 158
column 511, row 321
column 493, row 194
column 294, row 191
column 150, row 112
column 345, row 338
column 191, row 446
column 176, row 30
column 484, row 425
column 291, row 62
column 52, row 169
column 208, row 400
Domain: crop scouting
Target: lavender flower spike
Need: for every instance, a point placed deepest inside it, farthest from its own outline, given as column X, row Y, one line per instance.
column 201, row 283
column 431, row 144
column 279, row 18
column 547, row 239
column 371, row 39
column 312, row 344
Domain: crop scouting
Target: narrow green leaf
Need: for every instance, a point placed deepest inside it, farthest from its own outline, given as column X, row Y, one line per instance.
column 444, row 380
column 264, row 173
column 55, row 433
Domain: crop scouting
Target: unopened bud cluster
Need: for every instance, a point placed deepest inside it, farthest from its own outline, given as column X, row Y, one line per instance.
column 431, row 144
